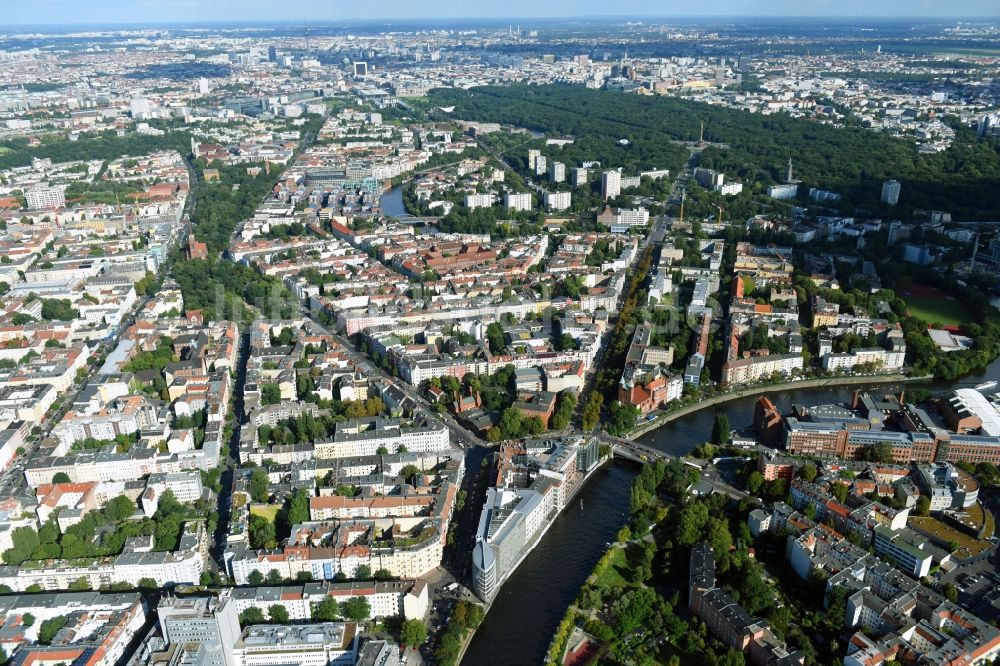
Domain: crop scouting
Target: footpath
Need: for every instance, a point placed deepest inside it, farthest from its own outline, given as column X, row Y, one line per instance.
column 667, row 417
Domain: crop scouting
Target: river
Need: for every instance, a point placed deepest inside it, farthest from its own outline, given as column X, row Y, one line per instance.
column 392, row 203
column 534, row 599
column 519, row 626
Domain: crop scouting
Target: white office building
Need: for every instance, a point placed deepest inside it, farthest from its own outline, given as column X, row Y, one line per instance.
column 322, row 644
column 783, row 192
column 510, row 521
column 209, row 621
column 905, row 547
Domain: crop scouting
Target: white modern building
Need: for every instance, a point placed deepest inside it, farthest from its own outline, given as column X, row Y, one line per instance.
column 322, row 644
column 907, row 549
column 611, row 184
column 45, row 197
column 517, row 201
column 783, row 192
column 474, row 201
column 211, row 622
column 890, row 192
column 556, row 201
column 510, row 520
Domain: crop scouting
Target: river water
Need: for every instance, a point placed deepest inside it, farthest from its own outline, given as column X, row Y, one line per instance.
column 534, row 599
column 519, row 626
column 392, row 203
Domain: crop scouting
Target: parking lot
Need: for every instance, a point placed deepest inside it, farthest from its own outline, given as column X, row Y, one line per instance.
column 978, row 585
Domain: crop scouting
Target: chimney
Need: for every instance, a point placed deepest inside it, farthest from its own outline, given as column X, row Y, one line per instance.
column 902, row 398
column 856, row 400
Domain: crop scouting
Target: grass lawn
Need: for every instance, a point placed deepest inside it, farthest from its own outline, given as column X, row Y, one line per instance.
column 947, row 534
column 613, row 576
column 938, row 310
column 268, row 512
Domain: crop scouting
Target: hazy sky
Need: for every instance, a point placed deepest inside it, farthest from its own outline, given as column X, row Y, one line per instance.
column 149, row 11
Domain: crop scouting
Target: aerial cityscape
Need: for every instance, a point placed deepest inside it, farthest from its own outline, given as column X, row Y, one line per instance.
column 499, row 335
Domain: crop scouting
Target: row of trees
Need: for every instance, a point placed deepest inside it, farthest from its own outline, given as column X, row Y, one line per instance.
column 355, row 609
column 466, row 617
column 606, row 384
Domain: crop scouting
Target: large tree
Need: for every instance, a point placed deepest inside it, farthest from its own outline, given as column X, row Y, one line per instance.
column 413, row 633
column 720, row 429
column 356, row 609
column 278, row 614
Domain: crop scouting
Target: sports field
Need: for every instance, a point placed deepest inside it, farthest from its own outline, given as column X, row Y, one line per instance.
column 936, row 307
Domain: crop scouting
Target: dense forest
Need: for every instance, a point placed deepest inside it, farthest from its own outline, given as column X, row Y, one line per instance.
column 215, row 285
column 222, row 204
column 849, row 160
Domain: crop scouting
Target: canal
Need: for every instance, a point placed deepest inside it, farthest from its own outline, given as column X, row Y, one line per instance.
column 534, row 599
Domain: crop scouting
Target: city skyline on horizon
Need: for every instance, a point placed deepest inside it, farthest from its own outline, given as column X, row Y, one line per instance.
column 152, row 12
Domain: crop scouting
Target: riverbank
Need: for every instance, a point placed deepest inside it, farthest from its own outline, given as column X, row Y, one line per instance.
column 548, row 582
column 527, row 551
column 538, row 592
column 723, row 398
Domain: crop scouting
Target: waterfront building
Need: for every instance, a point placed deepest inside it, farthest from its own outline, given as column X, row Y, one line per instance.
column 535, row 479
column 510, row 520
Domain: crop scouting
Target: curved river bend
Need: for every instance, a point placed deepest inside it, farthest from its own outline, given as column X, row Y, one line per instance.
column 532, row 602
